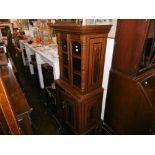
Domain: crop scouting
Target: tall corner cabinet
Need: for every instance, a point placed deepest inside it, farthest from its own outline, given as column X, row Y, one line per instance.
column 130, row 103
column 79, row 89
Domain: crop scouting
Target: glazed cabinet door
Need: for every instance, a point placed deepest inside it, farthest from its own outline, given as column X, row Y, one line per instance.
column 73, row 63
column 75, row 51
column 64, row 57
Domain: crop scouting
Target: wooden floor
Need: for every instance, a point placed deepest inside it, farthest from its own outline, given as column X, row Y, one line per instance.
column 44, row 117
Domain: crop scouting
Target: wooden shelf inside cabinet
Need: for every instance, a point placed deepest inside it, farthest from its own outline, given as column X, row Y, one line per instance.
column 76, row 56
column 77, row 72
column 65, row 52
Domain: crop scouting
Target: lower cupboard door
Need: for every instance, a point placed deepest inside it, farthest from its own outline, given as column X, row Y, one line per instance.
column 70, row 111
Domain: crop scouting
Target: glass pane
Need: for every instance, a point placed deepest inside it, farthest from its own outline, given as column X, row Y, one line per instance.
column 64, row 45
column 76, row 48
column 65, row 73
column 77, row 80
column 76, row 64
column 65, row 59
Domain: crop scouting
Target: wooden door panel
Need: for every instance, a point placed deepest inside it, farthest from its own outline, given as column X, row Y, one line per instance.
column 69, row 111
column 96, row 61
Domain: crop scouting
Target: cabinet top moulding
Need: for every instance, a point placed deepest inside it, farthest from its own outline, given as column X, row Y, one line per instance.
column 75, row 28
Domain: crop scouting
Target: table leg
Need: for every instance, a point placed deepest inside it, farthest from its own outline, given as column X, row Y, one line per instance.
column 23, row 58
column 41, row 80
column 5, row 49
column 56, row 72
column 40, row 74
column 29, row 53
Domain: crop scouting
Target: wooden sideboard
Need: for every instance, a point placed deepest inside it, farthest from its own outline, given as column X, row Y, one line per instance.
column 14, row 109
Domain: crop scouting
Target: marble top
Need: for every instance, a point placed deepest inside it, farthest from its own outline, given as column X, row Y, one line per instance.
column 49, row 52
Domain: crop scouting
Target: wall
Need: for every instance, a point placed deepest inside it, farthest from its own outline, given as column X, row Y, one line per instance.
column 108, row 60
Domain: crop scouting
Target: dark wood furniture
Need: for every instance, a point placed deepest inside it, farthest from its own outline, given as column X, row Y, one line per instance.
column 14, row 109
column 130, row 104
column 79, row 89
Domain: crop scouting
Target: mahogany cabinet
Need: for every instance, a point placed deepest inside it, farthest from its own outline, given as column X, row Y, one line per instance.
column 130, row 107
column 82, row 53
column 14, row 109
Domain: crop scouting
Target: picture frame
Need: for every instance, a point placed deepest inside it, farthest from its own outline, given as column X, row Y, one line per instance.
column 97, row 22
column 24, row 24
column 103, row 21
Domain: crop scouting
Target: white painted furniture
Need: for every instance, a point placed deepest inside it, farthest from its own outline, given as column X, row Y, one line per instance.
column 29, row 52
column 22, row 47
column 43, row 54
